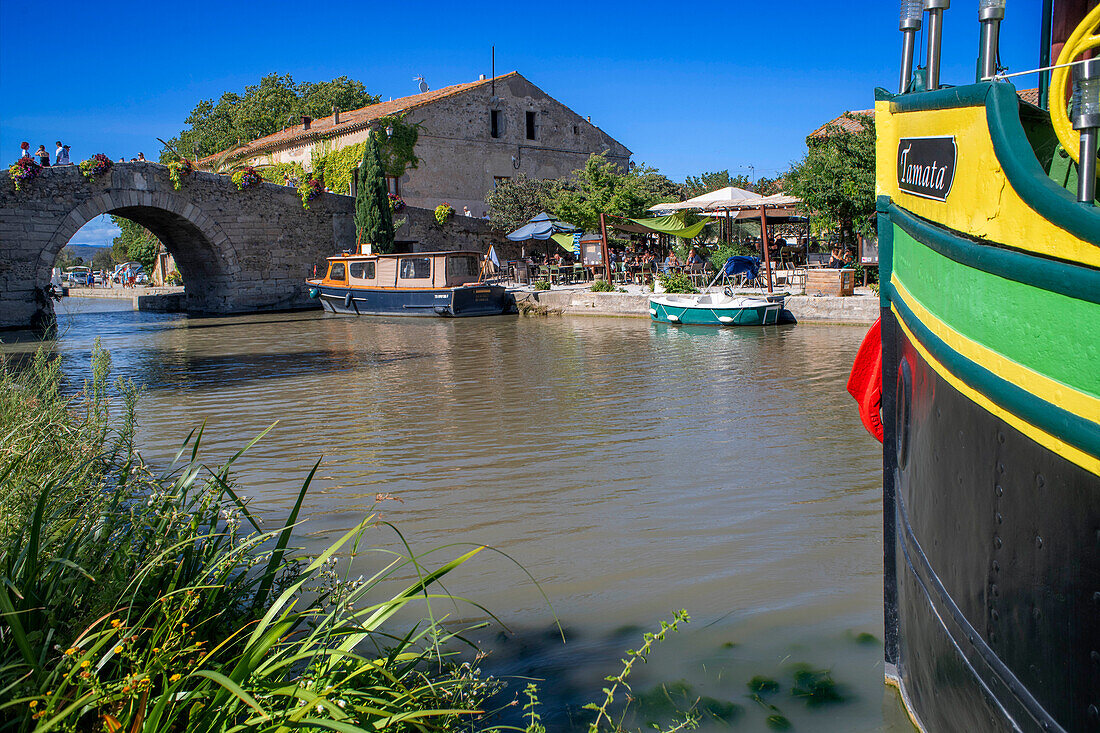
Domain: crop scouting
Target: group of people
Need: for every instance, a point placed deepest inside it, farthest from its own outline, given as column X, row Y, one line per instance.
column 61, row 155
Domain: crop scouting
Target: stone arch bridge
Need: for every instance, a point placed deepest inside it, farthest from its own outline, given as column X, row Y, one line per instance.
column 237, row 251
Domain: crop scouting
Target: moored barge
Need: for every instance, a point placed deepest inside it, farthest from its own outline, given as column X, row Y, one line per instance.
column 989, row 369
column 444, row 284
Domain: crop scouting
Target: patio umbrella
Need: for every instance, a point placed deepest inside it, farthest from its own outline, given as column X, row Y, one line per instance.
column 542, row 226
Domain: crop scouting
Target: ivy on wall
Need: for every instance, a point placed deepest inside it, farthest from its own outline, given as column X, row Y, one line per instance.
column 335, row 167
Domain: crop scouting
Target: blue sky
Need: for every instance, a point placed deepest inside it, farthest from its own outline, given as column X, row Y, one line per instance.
column 692, row 88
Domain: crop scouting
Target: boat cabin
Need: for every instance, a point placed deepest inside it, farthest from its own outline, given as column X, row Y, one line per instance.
column 417, row 271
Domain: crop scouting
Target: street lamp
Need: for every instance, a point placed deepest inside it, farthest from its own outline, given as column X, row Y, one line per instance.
column 389, row 131
column 909, row 25
column 1086, row 119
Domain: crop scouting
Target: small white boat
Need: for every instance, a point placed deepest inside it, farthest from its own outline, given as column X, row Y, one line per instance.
column 718, row 309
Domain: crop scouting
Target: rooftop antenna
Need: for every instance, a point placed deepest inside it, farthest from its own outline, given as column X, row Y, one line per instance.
column 423, row 84
column 493, row 70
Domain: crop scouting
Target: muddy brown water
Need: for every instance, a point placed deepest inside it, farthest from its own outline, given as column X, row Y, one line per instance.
column 631, row 468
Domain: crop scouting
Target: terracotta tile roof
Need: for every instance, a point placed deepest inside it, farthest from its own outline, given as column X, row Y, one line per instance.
column 842, row 122
column 1031, row 96
column 355, row 119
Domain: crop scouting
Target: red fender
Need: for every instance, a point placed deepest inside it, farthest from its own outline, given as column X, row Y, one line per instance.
column 865, row 381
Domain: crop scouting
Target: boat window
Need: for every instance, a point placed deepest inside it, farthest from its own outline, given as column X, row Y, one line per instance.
column 413, row 268
column 462, row 267
column 336, row 271
column 362, row 270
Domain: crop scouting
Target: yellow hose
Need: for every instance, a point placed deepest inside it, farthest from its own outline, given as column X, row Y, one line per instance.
column 1081, row 40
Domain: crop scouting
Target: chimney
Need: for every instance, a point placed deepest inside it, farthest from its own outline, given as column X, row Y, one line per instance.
column 305, row 122
column 335, row 115
column 481, row 77
column 589, row 118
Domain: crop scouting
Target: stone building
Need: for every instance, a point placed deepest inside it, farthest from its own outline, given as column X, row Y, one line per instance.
column 472, row 136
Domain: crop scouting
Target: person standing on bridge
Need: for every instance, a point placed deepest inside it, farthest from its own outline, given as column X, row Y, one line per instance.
column 43, row 156
column 25, row 150
column 61, row 157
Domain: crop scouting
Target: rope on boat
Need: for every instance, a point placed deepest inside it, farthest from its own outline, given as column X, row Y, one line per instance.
column 1001, row 75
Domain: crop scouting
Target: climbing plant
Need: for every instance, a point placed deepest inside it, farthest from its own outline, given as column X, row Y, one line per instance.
column 396, row 151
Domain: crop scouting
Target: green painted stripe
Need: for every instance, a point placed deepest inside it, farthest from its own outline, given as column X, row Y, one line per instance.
column 971, row 95
column 1026, row 176
column 885, row 247
column 1072, row 280
column 1044, row 331
column 1077, row 431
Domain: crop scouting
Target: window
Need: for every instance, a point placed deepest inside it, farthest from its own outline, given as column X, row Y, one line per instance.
column 576, row 130
column 497, row 180
column 415, row 268
column 460, row 268
column 494, row 123
column 532, row 128
column 336, row 271
column 362, row 270
column 391, row 185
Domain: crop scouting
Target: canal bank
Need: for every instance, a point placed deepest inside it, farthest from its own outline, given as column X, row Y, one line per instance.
column 166, row 299
column 856, row 309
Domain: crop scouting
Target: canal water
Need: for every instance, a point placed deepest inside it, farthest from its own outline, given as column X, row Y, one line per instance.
column 630, row 468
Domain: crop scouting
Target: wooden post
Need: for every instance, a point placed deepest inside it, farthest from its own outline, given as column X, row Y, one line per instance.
column 603, row 243
column 764, row 244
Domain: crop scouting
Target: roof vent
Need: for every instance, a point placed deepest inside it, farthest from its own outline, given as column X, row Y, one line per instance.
column 305, row 122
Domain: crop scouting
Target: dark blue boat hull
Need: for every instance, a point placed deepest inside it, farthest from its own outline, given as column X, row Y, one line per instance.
column 473, row 300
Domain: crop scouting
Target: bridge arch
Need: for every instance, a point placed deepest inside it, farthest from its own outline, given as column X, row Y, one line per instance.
column 239, row 251
column 204, row 254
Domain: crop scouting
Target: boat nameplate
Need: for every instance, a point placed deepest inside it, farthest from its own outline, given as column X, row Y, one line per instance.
column 926, row 166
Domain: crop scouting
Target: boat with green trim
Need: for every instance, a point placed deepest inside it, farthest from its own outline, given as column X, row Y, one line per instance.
column 716, row 309
column 986, row 367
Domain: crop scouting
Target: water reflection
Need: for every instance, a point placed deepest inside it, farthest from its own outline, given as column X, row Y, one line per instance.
column 632, row 468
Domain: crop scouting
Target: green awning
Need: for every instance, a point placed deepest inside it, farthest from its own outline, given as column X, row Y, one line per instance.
column 672, row 224
column 565, row 241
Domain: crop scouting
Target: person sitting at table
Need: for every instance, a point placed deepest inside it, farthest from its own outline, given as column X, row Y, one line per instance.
column 695, row 258
column 839, row 257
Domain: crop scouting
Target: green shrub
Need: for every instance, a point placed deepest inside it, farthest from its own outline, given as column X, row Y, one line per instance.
column 540, row 285
column 677, row 282
column 602, row 286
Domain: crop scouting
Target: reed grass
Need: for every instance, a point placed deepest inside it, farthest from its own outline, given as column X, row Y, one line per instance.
column 134, row 600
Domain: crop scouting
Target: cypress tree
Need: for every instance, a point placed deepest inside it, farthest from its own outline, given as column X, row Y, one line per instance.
column 373, row 219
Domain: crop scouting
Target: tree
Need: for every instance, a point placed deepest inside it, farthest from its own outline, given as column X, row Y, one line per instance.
column 68, row 258
column 373, row 218
column 513, row 202
column 836, row 178
column 706, row 182
column 102, row 260
column 263, row 109
column 602, row 187
column 134, row 243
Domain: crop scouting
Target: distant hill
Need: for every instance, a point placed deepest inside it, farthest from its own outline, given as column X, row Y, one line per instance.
column 87, row 251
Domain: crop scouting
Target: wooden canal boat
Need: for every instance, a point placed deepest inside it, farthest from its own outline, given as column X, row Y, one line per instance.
column 987, row 360
column 419, row 284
